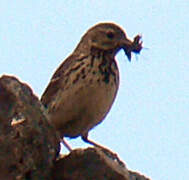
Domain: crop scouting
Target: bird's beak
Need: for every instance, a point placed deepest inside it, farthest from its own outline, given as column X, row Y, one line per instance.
column 131, row 46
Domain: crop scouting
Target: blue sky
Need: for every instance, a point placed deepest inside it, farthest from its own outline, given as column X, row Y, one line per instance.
column 149, row 121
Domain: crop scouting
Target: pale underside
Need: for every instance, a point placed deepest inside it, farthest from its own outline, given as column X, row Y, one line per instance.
column 83, row 101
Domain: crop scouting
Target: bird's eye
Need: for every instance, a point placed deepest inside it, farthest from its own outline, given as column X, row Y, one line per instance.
column 110, row 35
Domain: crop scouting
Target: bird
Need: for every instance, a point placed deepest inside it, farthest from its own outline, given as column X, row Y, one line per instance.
column 83, row 88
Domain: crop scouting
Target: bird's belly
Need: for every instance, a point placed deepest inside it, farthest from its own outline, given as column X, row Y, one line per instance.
column 84, row 106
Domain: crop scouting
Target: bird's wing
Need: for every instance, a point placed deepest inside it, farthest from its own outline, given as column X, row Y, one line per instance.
column 56, row 80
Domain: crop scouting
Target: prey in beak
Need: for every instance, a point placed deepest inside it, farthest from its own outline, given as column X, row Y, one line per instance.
column 132, row 46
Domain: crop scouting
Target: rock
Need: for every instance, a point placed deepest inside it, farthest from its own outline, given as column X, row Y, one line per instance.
column 28, row 143
column 136, row 176
column 89, row 164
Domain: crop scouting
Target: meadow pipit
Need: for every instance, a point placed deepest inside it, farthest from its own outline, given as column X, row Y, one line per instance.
column 83, row 88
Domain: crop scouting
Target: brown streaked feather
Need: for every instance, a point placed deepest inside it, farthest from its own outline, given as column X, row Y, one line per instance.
column 57, row 78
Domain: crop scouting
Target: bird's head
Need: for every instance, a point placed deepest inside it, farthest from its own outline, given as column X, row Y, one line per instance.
column 110, row 37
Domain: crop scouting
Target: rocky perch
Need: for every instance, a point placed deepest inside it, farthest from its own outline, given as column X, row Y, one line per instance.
column 29, row 145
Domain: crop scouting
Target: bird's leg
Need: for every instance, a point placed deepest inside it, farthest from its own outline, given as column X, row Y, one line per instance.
column 105, row 150
column 85, row 138
column 66, row 144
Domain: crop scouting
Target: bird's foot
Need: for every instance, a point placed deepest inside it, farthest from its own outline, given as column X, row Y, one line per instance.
column 106, row 151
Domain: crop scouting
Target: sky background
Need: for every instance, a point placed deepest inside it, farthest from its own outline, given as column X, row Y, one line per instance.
column 148, row 125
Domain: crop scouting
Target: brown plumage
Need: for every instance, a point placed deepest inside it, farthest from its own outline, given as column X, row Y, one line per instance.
column 83, row 88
